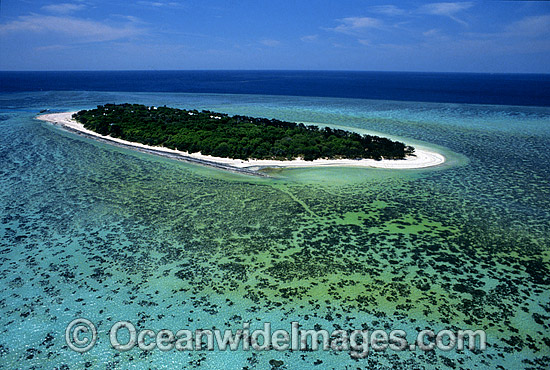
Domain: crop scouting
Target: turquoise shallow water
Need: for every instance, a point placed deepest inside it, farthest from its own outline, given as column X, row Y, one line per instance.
column 89, row 230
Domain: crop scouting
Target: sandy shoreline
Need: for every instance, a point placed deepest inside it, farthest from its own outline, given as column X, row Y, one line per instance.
column 422, row 158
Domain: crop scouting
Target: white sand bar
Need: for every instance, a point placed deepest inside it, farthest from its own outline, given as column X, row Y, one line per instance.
column 420, row 159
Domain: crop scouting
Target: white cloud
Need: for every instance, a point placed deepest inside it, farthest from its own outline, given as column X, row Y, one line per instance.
column 432, row 32
column 160, row 4
column 387, row 10
column 309, row 38
column 270, row 42
column 525, row 29
column 531, row 26
column 364, row 42
column 352, row 25
column 446, row 9
column 63, row 8
column 81, row 30
column 51, row 48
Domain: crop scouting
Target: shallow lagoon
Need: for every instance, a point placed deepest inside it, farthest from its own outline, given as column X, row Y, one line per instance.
column 89, row 230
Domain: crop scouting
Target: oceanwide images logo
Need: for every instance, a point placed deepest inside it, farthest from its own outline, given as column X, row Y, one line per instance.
column 81, row 335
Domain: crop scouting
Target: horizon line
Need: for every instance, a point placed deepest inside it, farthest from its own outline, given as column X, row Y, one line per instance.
column 270, row 70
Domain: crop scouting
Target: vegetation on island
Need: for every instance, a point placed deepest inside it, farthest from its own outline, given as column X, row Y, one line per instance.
column 238, row 137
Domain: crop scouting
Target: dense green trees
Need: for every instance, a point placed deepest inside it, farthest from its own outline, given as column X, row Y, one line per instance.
column 240, row 137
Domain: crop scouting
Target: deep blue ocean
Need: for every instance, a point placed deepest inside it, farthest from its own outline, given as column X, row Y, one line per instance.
column 89, row 230
column 502, row 89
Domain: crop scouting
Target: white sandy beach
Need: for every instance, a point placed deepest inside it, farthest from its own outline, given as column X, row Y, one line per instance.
column 421, row 159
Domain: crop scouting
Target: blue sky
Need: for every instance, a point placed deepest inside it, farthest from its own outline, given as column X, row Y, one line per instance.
column 472, row 36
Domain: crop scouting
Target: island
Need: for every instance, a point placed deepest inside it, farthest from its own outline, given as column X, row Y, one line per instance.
column 237, row 137
column 240, row 143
